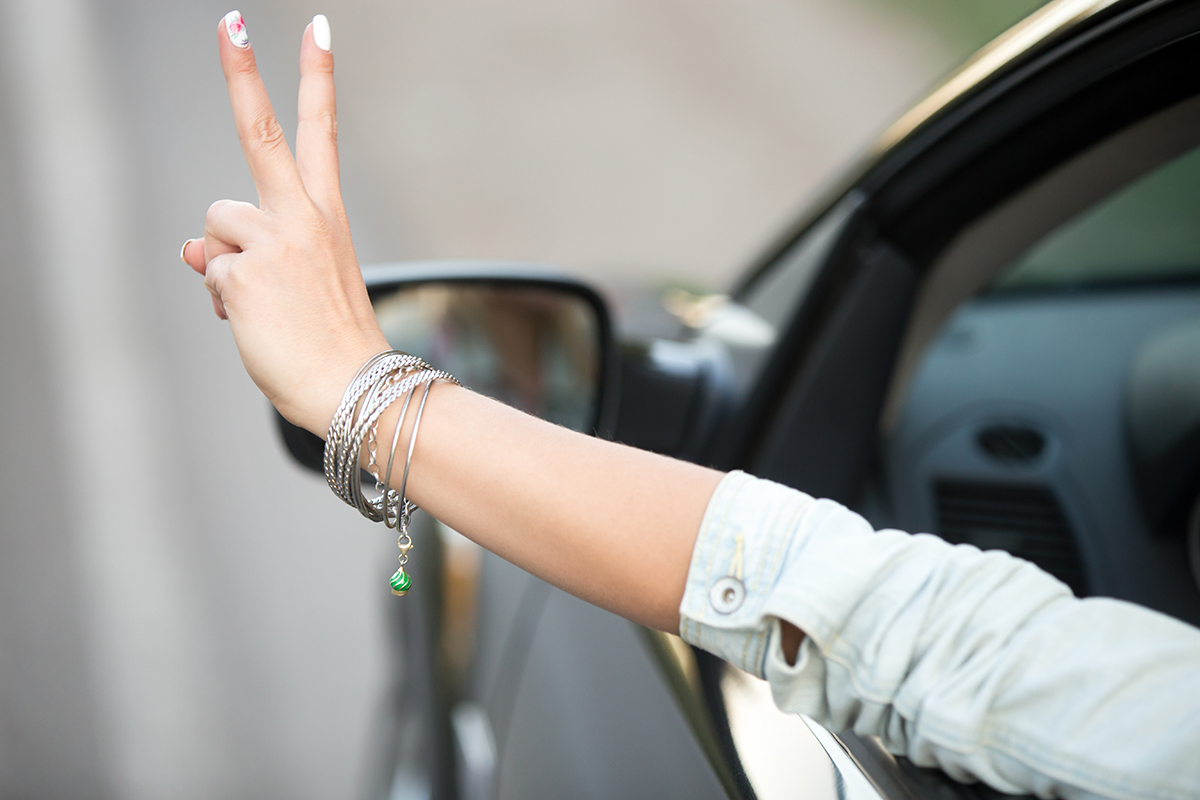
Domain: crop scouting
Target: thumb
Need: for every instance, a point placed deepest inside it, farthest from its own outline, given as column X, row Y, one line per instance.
column 192, row 254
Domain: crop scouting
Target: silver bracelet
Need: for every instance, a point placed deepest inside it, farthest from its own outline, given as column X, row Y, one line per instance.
column 400, row 581
column 342, row 447
column 377, row 400
column 382, row 380
column 383, row 485
column 376, row 366
column 342, row 414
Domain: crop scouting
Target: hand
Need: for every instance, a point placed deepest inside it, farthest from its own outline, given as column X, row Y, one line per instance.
column 284, row 273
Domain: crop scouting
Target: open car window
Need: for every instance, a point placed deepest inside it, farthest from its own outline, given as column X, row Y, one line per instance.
column 1063, row 425
column 1148, row 232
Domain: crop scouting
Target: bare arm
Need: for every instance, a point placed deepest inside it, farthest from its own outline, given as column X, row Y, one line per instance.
column 618, row 527
column 610, row 524
column 607, row 523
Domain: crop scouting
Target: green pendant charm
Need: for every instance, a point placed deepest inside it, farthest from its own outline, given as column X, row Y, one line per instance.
column 400, row 583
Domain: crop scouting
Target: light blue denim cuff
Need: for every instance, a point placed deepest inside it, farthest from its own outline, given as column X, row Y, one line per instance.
column 744, row 538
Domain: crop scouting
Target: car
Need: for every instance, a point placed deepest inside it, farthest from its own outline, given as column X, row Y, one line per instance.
column 988, row 329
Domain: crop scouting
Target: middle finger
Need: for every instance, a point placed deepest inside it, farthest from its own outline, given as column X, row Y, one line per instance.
column 316, row 135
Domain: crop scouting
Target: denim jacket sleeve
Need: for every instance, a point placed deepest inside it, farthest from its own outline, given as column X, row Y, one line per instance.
column 975, row 662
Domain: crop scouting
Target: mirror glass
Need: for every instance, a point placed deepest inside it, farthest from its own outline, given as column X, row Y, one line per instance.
column 537, row 349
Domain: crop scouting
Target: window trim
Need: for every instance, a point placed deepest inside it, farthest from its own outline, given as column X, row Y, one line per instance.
column 982, row 250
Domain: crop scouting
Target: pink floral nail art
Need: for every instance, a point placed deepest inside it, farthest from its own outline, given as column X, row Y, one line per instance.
column 236, row 28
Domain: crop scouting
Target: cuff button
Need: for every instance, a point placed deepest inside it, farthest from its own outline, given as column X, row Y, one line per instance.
column 726, row 595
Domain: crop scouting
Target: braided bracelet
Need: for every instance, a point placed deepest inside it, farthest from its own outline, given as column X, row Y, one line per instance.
column 377, row 400
column 382, row 380
column 367, row 398
column 376, row 367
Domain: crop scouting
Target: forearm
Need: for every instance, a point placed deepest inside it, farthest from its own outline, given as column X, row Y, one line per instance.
column 610, row 524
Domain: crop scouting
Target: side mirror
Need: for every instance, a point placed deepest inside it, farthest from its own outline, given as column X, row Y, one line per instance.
column 535, row 339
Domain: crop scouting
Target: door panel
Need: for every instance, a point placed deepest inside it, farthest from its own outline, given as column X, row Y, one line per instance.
column 592, row 717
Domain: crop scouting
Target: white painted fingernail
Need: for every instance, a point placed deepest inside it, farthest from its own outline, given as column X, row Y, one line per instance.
column 236, row 28
column 321, row 33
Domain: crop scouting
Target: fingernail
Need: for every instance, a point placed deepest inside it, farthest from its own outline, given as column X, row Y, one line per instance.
column 236, row 28
column 184, row 248
column 321, row 33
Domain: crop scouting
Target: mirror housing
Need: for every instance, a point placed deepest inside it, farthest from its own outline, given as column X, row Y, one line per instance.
column 489, row 321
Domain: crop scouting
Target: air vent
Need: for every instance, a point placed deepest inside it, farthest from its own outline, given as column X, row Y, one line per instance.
column 1012, row 443
column 1027, row 521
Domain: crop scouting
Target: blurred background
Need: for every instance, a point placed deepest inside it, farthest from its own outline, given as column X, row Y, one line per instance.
column 183, row 612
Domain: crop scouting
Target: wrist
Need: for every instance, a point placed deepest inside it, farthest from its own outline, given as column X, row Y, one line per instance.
column 320, row 397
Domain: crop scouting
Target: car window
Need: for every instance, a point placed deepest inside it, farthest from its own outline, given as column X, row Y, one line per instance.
column 778, row 291
column 1062, row 425
column 1148, row 232
column 748, row 326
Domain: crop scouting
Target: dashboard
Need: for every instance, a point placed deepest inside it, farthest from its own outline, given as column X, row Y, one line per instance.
column 1063, row 427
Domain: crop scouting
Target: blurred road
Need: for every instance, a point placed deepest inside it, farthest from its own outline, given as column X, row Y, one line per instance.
column 184, row 613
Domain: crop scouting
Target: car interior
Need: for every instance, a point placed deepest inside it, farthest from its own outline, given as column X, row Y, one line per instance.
column 1035, row 366
column 1053, row 411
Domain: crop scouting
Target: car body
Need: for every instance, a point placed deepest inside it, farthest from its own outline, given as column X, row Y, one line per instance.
column 933, row 344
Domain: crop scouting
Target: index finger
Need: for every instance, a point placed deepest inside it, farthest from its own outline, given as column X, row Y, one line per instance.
column 271, row 164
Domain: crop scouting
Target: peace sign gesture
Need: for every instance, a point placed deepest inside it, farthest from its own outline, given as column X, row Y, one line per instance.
column 284, row 272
